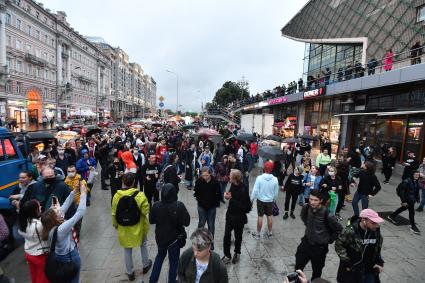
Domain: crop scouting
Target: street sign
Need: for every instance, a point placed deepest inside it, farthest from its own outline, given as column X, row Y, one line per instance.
column 161, row 104
column 161, row 98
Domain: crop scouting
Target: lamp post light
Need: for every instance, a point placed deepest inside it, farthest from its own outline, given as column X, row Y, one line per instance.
column 177, row 77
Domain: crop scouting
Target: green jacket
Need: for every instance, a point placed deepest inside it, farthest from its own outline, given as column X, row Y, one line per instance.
column 132, row 236
column 216, row 271
column 323, row 160
column 349, row 248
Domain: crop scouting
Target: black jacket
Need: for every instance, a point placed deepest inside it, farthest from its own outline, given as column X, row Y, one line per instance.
column 63, row 163
column 368, row 183
column 150, row 170
column 207, row 194
column 294, row 184
column 170, row 176
column 239, row 205
column 329, row 184
column 409, row 191
column 169, row 215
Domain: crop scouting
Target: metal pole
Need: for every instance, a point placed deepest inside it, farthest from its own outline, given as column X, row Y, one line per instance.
column 177, row 93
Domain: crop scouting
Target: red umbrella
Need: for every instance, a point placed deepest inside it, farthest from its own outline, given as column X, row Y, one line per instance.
column 207, row 132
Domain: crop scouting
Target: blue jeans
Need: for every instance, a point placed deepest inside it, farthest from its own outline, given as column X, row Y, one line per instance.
column 422, row 204
column 16, row 236
column 173, row 259
column 355, row 202
column 207, row 216
column 223, row 186
column 73, row 256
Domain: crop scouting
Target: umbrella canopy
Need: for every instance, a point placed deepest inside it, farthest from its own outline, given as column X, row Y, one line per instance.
column 246, row 137
column 274, row 138
column 208, row 132
column 307, row 137
column 156, row 124
column 290, row 140
column 271, row 152
column 187, row 127
column 92, row 131
column 270, row 142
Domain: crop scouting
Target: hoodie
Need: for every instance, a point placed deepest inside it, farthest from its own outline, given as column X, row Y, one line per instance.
column 265, row 188
column 169, row 215
column 130, row 166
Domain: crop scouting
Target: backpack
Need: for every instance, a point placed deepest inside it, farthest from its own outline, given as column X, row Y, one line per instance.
column 160, row 183
column 333, row 235
column 128, row 212
column 400, row 188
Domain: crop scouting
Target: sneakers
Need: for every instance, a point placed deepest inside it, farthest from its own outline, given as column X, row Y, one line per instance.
column 255, row 235
column 415, row 230
column 236, row 258
column 285, row 216
column 338, row 217
column 292, row 215
column 391, row 219
column 270, row 235
column 226, row 260
column 420, row 209
column 131, row 277
column 147, row 267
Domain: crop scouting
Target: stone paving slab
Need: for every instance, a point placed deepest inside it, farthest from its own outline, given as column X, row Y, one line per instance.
column 264, row 260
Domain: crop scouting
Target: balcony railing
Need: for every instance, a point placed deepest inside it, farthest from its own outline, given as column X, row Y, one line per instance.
column 35, row 60
column 85, row 79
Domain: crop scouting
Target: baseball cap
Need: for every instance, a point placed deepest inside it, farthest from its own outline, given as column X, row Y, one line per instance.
column 371, row 215
column 268, row 167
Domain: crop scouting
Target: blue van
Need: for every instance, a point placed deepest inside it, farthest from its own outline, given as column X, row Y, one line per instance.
column 12, row 162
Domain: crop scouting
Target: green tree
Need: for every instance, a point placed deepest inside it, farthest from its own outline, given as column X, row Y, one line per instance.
column 230, row 92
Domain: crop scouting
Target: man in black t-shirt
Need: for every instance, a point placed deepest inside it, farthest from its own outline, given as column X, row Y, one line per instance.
column 150, row 172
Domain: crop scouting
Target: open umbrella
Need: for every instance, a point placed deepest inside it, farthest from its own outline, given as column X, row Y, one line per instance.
column 270, row 142
column 290, row 140
column 274, row 138
column 208, row 132
column 92, row 130
column 188, row 127
column 307, row 137
column 271, row 152
column 246, row 137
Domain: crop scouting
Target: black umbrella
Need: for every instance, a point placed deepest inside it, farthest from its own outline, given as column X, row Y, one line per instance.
column 271, row 152
column 290, row 140
column 187, row 127
column 307, row 137
column 246, row 137
column 274, row 138
column 92, row 131
column 156, row 124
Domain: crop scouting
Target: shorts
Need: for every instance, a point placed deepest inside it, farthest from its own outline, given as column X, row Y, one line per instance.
column 264, row 208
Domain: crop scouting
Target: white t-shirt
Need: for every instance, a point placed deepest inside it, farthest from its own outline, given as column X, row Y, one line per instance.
column 240, row 154
column 200, row 269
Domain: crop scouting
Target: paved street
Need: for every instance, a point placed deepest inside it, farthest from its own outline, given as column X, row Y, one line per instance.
column 266, row 260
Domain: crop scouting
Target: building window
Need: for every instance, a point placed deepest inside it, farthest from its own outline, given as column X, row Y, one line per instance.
column 18, row 87
column 30, row 69
column 8, row 86
column 38, row 72
column 29, row 48
column 18, row 44
column 53, row 42
column 18, row 23
column 37, row 14
column 19, row 66
column 8, row 62
column 53, row 59
column 8, row 18
column 9, row 40
column 29, row 29
column 37, row 34
column 46, row 38
column 420, row 14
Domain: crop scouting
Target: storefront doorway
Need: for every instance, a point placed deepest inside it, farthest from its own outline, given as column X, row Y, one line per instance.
column 34, row 107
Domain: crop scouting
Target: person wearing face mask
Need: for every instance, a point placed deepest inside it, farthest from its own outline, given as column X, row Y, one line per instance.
column 139, row 160
column 330, row 187
column 51, row 162
column 62, row 160
column 115, row 171
column 73, row 181
column 359, row 249
column 53, row 187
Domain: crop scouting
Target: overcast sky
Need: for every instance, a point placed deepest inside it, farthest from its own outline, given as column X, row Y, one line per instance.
column 207, row 42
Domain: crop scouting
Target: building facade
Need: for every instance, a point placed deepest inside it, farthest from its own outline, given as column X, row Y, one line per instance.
column 347, row 97
column 50, row 71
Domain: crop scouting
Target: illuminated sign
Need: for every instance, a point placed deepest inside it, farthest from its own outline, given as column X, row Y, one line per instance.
column 278, row 100
column 314, row 93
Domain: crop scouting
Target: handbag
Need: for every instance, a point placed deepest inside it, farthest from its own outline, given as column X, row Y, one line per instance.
column 58, row 271
column 275, row 209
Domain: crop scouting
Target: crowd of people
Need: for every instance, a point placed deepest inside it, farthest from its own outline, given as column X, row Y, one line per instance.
column 148, row 167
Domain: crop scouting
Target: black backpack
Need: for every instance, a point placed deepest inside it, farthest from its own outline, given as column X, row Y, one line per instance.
column 128, row 212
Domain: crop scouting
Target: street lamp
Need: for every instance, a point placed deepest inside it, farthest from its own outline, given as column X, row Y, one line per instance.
column 177, row 77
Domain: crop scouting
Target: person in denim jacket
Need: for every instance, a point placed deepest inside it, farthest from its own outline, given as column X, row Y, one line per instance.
column 311, row 181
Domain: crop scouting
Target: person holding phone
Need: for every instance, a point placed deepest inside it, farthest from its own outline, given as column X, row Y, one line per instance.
column 66, row 249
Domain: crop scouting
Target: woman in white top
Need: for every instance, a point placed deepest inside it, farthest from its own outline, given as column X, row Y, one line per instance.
column 36, row 249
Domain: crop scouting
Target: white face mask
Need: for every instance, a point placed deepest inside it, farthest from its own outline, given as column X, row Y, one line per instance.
column 71, row 175
column 135, row 152
column 331, row 174
column 61, row 151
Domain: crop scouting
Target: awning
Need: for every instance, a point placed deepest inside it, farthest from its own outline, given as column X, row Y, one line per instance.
column 382, row 113
column 83, row 112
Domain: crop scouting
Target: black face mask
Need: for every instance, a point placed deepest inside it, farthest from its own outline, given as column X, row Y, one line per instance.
column 116, row 163
column 49, row 181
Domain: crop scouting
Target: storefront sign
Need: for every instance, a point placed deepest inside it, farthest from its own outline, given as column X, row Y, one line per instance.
column 278, row 100
column 314, row 93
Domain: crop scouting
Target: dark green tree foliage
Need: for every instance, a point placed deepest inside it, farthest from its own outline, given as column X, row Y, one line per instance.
column 230, row 92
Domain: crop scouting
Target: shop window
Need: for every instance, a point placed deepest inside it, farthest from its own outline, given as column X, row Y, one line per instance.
column 415, row 129
column 420, row 14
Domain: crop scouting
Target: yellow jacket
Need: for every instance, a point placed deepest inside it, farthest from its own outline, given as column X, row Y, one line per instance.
column 132, row 236
column 73, row 185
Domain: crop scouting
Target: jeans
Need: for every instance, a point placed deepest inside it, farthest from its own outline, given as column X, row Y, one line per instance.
column 73, row 256
column 17, row 238
column 128, row 256
column 355, row 202
column 173, row 259
column 301, row 199
column 422, row 204
column 315, row 253
column 208, row 216
column 103, row 172
column 228, row 235
column 223, row 186
column 288, row 197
